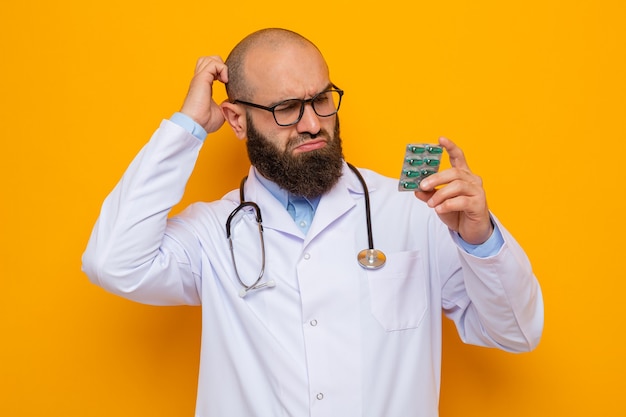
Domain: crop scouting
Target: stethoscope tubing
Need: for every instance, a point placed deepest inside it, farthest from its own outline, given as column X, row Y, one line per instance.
column 368, row 213
column 368, row 258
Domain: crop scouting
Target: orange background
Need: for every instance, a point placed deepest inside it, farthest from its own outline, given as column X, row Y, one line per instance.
column 534, row 91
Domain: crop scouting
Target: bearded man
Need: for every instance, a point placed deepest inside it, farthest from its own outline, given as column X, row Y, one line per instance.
column 293, row 324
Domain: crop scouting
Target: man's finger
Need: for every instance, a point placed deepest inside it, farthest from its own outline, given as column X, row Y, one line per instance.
column 456, row 155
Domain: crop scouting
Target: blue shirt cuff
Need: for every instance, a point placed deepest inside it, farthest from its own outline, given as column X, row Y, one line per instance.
column 189, row 125
column 490, row 248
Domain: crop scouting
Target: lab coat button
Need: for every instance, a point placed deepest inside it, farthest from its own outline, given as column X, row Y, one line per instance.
column 320, row 396
column 313, row 323
column 307, row 256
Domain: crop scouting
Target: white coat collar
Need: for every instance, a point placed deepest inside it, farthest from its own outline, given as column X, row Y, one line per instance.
column 335, row 203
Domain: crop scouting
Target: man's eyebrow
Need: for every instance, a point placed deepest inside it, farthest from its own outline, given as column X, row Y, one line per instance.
column 329, row 86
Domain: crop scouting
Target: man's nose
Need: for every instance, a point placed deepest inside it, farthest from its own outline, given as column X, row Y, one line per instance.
column 310, row 121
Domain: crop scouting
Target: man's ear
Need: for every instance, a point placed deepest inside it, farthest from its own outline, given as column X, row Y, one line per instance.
column 235, row 115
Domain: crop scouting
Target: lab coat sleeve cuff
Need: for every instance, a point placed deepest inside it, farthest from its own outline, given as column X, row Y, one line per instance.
column 485, row 250
column 189, row 124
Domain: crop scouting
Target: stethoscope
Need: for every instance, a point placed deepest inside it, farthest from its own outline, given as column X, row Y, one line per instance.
column 368, row 258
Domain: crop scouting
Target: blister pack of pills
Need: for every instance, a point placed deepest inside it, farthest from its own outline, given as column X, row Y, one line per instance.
column 420, row 161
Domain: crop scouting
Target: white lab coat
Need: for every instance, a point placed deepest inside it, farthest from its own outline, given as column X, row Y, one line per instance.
column 331, row 339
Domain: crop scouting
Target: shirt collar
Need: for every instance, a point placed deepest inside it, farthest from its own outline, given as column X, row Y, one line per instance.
column 282, row 195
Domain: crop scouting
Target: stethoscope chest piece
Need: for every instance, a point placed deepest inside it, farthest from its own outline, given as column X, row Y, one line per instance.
column 371, row 258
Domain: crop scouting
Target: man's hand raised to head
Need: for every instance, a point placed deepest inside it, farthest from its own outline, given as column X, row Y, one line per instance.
column 199, row 103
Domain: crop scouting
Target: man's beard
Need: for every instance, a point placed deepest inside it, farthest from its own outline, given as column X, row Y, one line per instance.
column 308, row 174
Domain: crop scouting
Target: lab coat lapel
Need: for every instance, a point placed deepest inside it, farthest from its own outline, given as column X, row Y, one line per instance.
column 334, row 204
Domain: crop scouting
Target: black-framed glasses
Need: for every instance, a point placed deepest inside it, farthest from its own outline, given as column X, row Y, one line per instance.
column 289, row 112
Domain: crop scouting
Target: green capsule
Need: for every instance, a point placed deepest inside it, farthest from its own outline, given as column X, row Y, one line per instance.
column 412, row 174
column 431, row 162
column 409, row 185
column 415, row 162
column 417, row 149
column 434, row 149
column 427, row 172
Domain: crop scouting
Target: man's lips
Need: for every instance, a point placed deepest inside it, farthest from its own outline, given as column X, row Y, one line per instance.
column 310, row 145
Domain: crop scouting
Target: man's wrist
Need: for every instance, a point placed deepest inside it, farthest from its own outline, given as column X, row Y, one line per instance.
column 489, row 248
column 187, row 123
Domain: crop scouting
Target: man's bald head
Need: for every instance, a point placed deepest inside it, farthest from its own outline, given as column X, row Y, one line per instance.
column 272, row 39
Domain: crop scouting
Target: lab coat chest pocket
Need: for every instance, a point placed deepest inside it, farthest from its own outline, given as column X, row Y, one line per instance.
column 398, row 291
